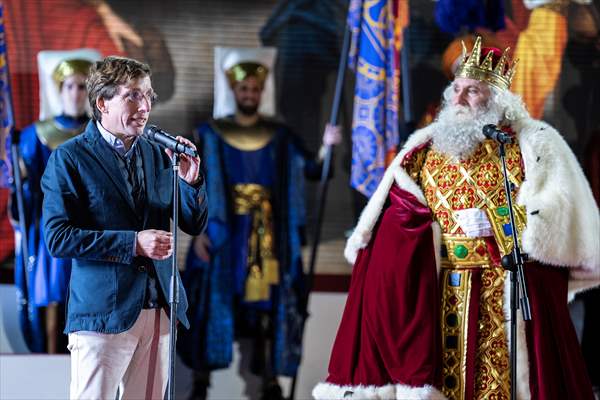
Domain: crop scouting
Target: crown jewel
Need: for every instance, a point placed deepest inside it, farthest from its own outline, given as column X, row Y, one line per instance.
column 500, row 75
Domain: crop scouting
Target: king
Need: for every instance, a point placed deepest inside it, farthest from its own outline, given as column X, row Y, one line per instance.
column 427, row 314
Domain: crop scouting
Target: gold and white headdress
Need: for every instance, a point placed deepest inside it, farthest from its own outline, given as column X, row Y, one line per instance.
column 235, row 64
column 53, row 68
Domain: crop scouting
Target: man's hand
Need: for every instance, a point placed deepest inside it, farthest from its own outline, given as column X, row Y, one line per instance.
column 154, row 244
column 202, row 246
column 189, row 167
column 332, row 135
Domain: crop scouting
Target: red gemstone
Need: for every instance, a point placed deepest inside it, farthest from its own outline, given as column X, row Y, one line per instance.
column 453, row 300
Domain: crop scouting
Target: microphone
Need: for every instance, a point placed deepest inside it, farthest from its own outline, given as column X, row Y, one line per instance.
column 159, row 136
column 491, row 131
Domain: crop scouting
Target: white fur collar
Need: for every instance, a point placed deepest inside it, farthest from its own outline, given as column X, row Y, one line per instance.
column 563, row 227
column 394, row 173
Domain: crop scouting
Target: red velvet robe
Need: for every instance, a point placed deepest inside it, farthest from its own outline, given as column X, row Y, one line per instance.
column 390, row 332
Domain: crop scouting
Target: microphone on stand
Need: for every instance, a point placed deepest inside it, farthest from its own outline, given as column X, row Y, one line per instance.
column 155, row 134
column 491, row 131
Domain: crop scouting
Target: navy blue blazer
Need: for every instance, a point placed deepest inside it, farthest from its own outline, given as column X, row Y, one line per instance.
column 89, row 216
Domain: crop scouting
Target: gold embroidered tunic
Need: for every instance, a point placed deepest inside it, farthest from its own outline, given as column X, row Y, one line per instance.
column 474, row 342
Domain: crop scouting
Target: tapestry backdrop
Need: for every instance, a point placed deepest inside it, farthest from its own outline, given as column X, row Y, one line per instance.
column 177, row 38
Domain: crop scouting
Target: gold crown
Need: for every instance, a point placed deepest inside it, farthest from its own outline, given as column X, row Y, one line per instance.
column 243, row 70
column 70, row 67
column 499, row 76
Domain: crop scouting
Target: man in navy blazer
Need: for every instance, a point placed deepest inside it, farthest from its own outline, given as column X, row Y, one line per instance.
column 107, row 205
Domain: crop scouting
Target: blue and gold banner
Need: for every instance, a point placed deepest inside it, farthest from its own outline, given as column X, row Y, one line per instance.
column 374, row 56
column 6, row 112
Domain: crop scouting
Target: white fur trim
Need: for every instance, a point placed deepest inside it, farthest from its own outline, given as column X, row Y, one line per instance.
column 565, row 227
column 328, row 391
column 523, row 389
column 577, row 286
column 394, row 173
column 404, row 181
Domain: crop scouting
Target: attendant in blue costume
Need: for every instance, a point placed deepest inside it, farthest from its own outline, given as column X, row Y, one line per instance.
column 42, row 320
column 244, row 276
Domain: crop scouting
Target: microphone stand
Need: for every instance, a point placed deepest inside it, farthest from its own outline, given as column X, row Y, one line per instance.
column 174, row 289
column 514, row 263
column 18, row 181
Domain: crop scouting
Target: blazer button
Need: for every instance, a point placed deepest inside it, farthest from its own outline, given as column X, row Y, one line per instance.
column 141, row 268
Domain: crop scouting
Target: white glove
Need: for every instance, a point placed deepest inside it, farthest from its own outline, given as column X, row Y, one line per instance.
column 474, row 222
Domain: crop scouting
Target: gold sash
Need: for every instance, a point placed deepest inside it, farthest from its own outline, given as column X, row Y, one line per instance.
column 263, row 267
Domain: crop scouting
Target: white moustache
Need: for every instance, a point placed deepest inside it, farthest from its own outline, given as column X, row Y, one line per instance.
column 459, row 130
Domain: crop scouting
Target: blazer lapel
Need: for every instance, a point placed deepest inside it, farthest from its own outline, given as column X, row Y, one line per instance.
column 106, row 158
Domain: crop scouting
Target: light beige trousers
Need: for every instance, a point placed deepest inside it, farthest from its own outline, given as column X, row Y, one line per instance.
column 134, row 361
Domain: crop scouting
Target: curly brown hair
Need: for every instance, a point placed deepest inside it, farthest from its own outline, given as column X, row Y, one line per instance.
column 107, row 75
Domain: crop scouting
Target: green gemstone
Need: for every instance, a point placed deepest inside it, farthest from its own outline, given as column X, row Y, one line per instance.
column 502, row 211
column 461, row 251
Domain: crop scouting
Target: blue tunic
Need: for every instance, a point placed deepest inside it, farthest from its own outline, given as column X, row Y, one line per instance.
column 214, row 288
column 48, row 276
column 257, row 167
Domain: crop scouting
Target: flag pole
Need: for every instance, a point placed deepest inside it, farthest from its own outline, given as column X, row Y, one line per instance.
column 323, row 186
column 407, row 103
column 18, row 182
column 7, row 121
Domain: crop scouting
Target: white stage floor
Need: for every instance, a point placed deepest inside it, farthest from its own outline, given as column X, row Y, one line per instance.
column 32, row 376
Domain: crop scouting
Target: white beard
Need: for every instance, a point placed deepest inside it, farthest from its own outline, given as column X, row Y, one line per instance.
column 459, row 129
